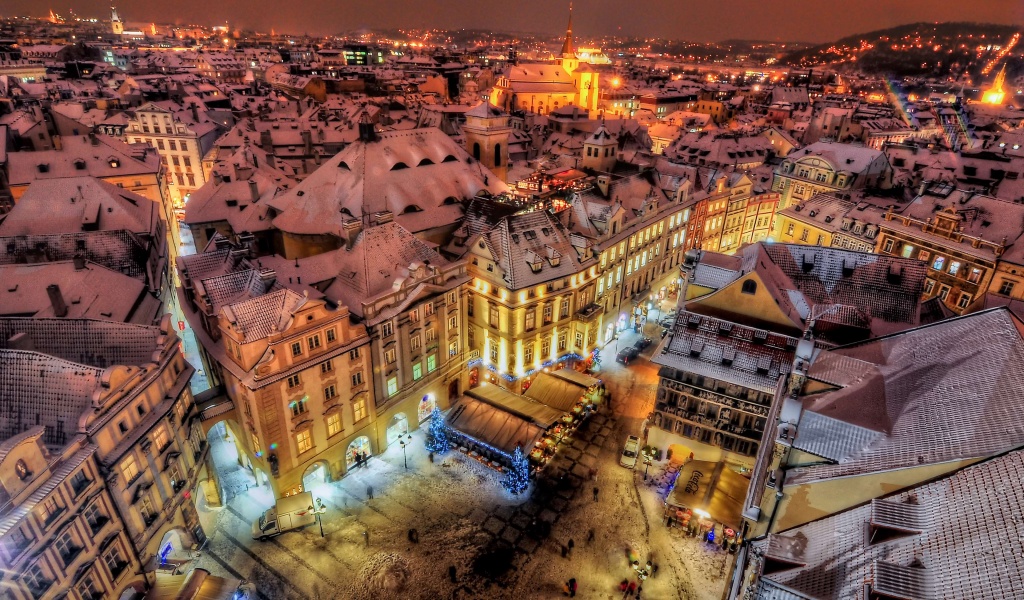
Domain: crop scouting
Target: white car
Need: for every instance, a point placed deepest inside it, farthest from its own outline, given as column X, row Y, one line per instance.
column 630, row 452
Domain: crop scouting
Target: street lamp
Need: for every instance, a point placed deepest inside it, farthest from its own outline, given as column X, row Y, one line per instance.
column 319, row 510
column 403, row 442
column 647, row 461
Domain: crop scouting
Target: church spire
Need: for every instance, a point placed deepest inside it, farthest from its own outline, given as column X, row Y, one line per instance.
column 567, row 46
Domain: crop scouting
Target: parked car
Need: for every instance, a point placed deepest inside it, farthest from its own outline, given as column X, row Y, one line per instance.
column 629, row 452
column 627, row 354
column 290, row 512
column 642, row 343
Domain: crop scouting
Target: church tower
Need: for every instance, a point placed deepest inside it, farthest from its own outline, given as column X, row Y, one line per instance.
column 568, row 58
column 487, row 131
column 115, row 22
column 600, row 151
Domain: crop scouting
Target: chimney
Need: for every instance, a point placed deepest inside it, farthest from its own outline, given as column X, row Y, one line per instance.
column 268, row 277
column 195, row 112
column 352, row 229
column 95, row 141
column 307, row 141
column 254, row 192
column 79, row 262
column 266, row 141
column 60, row 308
column 366, row 131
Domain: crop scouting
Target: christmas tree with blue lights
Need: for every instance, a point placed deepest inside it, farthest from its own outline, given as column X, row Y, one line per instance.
column 517, row 478
column 437, row 433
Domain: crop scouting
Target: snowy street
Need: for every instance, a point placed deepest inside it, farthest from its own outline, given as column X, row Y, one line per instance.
column 501, row 546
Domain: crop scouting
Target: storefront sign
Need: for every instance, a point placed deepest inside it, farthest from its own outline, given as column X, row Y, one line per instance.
column 694, row 483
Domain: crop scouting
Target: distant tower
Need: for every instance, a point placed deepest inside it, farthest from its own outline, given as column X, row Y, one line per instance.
column 487, row 131
column 600, row 150
column 115, row 22
column 996, row 93
column 568, row 58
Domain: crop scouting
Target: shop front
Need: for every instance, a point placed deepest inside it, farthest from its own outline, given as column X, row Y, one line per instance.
column 706, row 500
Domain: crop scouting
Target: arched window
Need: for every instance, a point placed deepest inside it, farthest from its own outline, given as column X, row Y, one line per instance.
column 749, row 287
column 497, row 155
column 476, row 150
column 21, row 470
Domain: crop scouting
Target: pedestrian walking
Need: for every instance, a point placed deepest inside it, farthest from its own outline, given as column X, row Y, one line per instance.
column 596, row 490
column 572, row 587
column 623, row 585
column 571, row 544
column 565, row 551
column 590, row 535
column 654, row 570
column 451, row 574
column 369, row 492
column 366, row 537
column 639, row 589
column 431, row 457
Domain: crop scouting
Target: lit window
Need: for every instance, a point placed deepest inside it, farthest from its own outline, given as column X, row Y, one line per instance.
column 940, row 262
column 129, row 469
column 431, row 363
column 392, row 386
column 304, row 441
column 359, row 410
column 334, row 424
column 417, row 370
column 390, row 356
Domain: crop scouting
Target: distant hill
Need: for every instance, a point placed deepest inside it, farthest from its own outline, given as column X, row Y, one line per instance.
column 927, row 49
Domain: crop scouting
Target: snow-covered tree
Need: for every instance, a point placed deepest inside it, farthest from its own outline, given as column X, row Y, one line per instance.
column 517, row 478
column 438, row 441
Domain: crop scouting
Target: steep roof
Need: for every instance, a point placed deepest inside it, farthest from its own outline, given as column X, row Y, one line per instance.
column 957, row 537
column 405, row 172
column 531, row 248
column 79, row 204
column 938, row 393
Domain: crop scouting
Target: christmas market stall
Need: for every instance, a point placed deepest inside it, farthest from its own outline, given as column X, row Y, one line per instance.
column 567, row 390
column 706, row 500
column 488, row 423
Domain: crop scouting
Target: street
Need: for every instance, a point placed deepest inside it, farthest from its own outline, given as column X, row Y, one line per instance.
column 501, row 546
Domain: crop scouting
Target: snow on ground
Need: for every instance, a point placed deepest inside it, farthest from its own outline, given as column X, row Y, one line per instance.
column 465, row 519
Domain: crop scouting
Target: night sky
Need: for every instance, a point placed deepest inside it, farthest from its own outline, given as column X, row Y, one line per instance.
column 709, row 20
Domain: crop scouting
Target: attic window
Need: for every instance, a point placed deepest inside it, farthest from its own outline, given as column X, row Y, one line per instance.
column 411, row 209
column 43, row 167
column 115, row 163
column 21, row 470
column 749, row 287
column 343, row 165
column 450, row 158
column 530, row 235
column 424, row 162
column 450, row 200
column 545, row 231
column 399, row 166
column 79, row 165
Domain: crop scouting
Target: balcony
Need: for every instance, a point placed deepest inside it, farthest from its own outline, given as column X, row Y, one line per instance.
column 590, row 312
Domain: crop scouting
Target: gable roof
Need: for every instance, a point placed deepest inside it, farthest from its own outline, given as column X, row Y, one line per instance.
column 938, row 393
column 962, row 541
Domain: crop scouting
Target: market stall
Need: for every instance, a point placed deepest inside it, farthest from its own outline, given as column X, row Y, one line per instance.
column 706, row 499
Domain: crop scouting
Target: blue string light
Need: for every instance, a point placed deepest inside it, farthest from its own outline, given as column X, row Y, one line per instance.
column 511, row 378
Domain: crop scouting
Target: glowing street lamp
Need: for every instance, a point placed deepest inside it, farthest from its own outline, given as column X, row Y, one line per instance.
column 403, row 442
column 319, row 510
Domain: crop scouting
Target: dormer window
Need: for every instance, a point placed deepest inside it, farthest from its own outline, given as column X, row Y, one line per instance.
column 21, row 470
column 79, row 165
column 114, row 163
column 43, row 167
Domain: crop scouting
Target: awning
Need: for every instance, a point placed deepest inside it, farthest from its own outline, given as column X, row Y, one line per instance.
column 197, row 585
column 714, row 488
column 493, row 426
column 556, row 392
column 581, row 379
column 538, row 413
